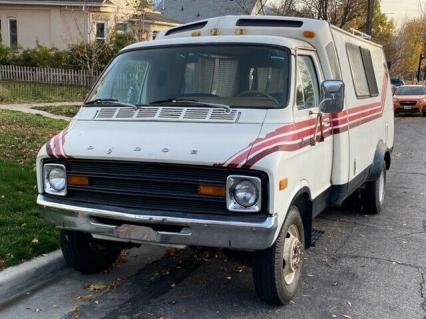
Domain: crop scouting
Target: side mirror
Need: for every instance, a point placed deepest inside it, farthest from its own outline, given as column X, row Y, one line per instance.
column 333, row 96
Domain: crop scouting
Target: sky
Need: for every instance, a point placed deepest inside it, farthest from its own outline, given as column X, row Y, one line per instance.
column 400, row 10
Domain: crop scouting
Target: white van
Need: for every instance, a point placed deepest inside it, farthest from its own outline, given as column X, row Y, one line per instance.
column 232, row 132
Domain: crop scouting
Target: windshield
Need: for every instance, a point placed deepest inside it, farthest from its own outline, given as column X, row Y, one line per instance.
column 236, row 75
column 411, row 90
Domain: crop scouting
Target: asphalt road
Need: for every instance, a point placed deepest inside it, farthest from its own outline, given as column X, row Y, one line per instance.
column 361, row 267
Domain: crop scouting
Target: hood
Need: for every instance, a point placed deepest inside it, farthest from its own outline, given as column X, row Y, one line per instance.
column 181, row 142
column 409, row 97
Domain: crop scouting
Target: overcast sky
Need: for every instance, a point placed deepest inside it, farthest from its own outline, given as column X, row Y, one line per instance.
column 400, row 10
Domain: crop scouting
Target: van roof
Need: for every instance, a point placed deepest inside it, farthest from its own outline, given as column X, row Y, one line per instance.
column 290, row 43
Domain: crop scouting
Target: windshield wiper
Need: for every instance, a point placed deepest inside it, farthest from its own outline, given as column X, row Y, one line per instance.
column 227, row 108
column 110, row 102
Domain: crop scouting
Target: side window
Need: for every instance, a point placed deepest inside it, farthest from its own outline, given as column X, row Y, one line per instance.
column 362, row 71
column 369, row 72
column 307, row 90
column 101, row 30
column 13, row 32
column 331, row 54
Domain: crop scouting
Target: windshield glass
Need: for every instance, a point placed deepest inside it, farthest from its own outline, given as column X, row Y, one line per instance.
column 411, row 90
column 236, row 75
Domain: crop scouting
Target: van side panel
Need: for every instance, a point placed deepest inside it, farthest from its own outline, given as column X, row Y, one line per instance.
column 369, row 118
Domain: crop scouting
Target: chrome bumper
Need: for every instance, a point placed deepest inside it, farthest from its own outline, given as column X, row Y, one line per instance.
column 193, row 232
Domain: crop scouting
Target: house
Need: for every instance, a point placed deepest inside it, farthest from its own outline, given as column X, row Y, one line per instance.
column 61, row 23
column 192, row 10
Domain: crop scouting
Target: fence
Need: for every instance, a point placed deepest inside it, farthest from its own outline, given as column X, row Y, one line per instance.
column 47, row 75
column 33, row 84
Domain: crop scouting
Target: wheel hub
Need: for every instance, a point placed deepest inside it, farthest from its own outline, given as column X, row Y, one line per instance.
column 296, row 254
column 293, row 254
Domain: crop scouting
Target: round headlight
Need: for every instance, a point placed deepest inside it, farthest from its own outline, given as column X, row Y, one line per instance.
column 57, row 179
column 245, row 194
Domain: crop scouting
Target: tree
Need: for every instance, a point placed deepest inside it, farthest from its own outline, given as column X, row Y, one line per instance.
column 409, row 44
column 255, row 7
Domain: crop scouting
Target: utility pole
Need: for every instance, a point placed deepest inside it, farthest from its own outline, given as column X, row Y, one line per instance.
column 370, row 16
column 422, row 57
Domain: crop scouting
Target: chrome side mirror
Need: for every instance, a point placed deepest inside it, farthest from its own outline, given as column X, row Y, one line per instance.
column 333, row 96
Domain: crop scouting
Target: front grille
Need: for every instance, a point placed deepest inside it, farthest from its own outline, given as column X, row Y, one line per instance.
column 411, row 103
column 153, row 186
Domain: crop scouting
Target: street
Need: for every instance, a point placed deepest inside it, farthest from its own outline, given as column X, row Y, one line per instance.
column 361, row 266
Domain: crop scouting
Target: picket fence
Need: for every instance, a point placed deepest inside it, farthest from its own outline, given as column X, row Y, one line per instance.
column 47, row 75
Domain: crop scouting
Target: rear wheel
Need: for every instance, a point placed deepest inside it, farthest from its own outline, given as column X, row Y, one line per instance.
column 86, row 254
column 277, row 270
column 373, row 196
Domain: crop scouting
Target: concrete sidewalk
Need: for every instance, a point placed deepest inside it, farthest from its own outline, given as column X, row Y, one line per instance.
column 29, row 108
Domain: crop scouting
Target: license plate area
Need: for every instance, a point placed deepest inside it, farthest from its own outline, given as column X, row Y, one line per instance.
column 407, row 107
column 136, row 232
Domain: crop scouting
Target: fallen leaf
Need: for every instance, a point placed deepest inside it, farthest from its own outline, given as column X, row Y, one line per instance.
column 97, row 287
column 346, row 316
column 85, row 298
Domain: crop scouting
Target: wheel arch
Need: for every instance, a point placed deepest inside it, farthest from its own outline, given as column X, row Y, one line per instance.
column 381, row 157
column 303, row 200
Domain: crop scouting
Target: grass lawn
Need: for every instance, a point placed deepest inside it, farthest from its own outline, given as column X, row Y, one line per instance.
column 19, row 92
column 23, row 234
column 69, row 111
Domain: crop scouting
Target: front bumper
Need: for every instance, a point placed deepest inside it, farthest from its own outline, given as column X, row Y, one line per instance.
column 413, row 109
column 141, row 229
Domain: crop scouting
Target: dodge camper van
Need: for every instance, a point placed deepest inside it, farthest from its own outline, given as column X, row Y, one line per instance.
column 232, row 132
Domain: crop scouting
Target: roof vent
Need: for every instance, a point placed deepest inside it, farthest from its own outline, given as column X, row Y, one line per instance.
column 278, row 23
column 187, row 27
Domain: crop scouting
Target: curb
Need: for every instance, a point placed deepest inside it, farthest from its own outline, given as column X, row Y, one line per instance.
column 18, row 280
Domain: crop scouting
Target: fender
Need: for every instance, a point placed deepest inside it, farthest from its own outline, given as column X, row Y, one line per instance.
column 304, row 199
column 378, row 162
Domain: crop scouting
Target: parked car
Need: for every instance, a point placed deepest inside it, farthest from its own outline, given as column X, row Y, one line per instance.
column 232, row 132
column 396, row 83
column 410, row 99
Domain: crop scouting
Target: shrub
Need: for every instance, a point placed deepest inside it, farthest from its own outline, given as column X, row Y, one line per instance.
column 5, row 54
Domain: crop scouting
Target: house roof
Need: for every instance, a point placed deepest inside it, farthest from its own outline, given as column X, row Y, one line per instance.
column 56, row 2
column 192, row 10
column 160, row 18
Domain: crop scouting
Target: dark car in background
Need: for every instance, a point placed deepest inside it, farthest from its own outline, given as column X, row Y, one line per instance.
column 396, row 83
column 410, row 99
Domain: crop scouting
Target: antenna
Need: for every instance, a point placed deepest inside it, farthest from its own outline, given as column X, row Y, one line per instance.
column 360, row 34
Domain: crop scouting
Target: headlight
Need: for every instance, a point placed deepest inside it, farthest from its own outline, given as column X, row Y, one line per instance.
column 55, row 179
column 243, row 193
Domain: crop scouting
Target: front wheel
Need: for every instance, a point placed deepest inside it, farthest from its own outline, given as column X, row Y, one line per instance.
column 86, row 254
column 277, row 270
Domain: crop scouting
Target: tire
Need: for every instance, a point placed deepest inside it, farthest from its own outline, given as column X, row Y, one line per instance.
column 86, row 254
column 374, row 194
column 275, row 280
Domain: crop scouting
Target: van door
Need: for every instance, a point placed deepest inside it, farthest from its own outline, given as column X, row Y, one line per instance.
column 317, row 154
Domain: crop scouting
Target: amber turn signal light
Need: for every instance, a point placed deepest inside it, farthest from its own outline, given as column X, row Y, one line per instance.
column 283, row 184
column 210, row 190
column 309, row 34
column 78, row 180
